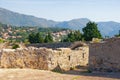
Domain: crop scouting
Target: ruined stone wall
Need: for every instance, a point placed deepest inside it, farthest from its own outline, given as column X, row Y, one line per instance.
column 25, row 58
column 105, row 56
column 65, row 58
column 44, row 58
column 51, row 45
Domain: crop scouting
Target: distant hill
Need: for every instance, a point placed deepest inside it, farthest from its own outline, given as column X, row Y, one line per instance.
column 13, row 18
column 74, row 24
column 109, row 28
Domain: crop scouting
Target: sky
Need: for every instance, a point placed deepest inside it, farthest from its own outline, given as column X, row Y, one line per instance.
column 64, row 10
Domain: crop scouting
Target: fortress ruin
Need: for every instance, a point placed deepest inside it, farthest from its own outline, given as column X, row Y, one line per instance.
column 102, row 56
column 105, row 56
column 45, row 58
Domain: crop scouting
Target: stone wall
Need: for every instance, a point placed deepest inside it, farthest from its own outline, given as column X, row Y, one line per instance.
column 105, row 56
column 51, row 45
column 65, row 58
column 25, row 58
column 44, row 58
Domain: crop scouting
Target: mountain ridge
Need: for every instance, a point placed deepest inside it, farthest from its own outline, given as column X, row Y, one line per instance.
column 107, row 28
column 17, row 19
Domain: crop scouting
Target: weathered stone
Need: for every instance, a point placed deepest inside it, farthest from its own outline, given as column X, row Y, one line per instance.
column 105, row 56
column 44, row 58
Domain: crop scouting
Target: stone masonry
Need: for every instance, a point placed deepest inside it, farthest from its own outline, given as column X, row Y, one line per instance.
column 105, row 56
column 44, row 58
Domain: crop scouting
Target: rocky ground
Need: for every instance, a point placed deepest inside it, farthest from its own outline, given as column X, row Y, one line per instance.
column 33, row 74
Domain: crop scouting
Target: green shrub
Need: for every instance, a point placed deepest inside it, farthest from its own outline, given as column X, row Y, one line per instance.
column 2, row 40
column 15, row 46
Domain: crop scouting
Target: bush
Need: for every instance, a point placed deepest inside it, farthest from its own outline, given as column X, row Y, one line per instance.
column 15, row 46
column 1, row 40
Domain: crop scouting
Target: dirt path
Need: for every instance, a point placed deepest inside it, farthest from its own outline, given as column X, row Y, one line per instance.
column 33, row 74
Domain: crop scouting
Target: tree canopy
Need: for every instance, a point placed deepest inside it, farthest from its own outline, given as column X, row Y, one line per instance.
column 39, row 38
column 73, row 36
column 35, row 38
column 91, row 31
column 48, row 38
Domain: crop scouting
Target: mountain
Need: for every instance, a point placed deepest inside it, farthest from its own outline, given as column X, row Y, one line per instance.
column 74, row 24
column 16, row 19
column 109, row 28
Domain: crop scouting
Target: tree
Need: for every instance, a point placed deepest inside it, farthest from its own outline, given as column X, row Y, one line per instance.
column 91, row 31
column 39, row 38
column 78, row 35
column 73, row 36
column 31, row 38
column 48, row 38
column 35, row 38
column 70, row 38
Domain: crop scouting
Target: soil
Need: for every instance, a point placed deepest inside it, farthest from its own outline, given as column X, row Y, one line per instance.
column 35, row 74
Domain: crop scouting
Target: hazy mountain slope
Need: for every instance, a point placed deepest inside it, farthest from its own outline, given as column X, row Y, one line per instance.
column 74, row 24
column 109, row 28
column 9, row 17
